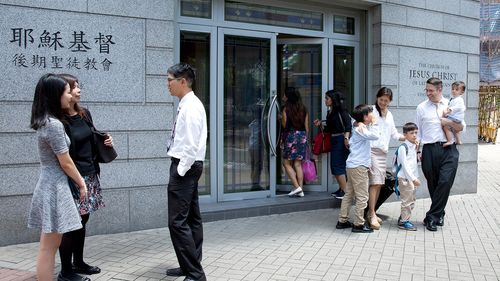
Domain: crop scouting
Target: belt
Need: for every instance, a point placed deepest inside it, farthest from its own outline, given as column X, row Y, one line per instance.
column 440, row 143
column 176, row 160
column 338, row 134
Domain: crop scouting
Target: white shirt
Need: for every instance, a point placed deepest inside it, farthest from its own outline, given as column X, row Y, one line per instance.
column 189, row 133
column 386, row 129
column 429, row 121
column 457, row 106
column 359, row 145
column 408, row 162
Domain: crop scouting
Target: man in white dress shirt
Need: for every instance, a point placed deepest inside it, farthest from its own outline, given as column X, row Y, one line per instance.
column 186, row 148
column 439, row 164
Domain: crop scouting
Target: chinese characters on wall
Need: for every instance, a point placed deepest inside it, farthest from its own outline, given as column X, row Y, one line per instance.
column 50, row 50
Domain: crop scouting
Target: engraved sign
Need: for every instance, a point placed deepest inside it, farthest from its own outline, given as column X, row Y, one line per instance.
column 106, row 53
column 418, row 65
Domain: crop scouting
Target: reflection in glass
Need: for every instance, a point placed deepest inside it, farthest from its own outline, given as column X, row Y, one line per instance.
column 343, row 24
column 300, row 67
column 343, row 71
column 269, row 15
column 196, row 8
column 246, row 90
column 195, row 50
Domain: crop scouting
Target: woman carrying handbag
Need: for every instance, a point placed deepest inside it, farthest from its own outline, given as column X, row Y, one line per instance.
column 338, row 124
column 84, row 153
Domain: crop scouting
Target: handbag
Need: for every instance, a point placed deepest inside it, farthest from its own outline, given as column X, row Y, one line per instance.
column 309, row 168
column 75, row 190
column 105, row 154
column 322, row 142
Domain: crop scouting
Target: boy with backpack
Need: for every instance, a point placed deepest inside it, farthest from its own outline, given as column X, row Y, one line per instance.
column 407, row 175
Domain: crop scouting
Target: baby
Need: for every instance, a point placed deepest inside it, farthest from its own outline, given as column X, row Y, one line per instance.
column 453, row 117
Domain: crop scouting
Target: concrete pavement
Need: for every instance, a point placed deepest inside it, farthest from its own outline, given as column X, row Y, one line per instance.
column 306, row 245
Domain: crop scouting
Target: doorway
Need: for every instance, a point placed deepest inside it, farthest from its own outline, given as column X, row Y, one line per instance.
column 242, row 76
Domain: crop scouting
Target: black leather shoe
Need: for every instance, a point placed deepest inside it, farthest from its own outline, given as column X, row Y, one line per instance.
column 71, row 276
column 430, row 224
column 361, row 229
column 440, row 222
column 342, row 225
column 86, row 269
column 175, row 272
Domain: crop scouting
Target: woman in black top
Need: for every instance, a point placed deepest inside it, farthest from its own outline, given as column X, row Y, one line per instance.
column 338, row 124
column 83, row 152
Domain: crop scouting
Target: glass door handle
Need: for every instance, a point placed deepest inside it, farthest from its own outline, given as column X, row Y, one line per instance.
column 272, row 145
column 263, row 120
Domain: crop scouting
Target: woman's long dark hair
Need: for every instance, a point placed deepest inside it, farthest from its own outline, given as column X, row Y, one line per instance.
column 72, row 81
column 295, row 108
column 384, row 91
column 47, row 100
column 337, row 100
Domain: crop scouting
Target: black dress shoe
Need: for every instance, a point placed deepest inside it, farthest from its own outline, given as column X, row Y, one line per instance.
column 86, row 269
column 342, row 225
column 71, row 276
column 440, row 222
column 175, row 272
column 430, row 224
column 361, row 229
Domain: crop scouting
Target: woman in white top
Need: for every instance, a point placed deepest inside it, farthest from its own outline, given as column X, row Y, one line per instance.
column 379, row 149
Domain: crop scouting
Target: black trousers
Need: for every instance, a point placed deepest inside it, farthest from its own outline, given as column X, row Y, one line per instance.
column 439, row 165
column 184, row 219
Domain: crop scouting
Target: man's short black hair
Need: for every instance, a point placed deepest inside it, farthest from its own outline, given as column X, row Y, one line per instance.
column 183, row 70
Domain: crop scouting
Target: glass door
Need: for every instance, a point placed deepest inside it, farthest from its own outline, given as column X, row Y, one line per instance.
column 344, row 64
column 246, row 114
column 301, row 65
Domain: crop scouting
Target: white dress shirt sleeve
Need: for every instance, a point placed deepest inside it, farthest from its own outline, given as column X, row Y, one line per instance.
column 193, row 125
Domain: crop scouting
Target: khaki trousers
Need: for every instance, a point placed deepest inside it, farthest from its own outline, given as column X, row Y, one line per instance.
column 407, row 190
column 357, row 189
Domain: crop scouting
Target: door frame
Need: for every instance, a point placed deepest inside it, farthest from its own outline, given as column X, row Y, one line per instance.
column 212, row 196
column 219, row 165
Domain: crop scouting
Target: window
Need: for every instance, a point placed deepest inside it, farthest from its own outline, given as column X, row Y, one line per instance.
column 344, row 25
column 196, row 8
column 268, row 15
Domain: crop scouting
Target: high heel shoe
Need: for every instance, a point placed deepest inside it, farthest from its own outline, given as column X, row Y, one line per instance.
column 295, row 191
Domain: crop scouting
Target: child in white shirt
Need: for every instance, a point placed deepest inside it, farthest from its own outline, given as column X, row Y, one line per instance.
column 407, row 175
column 358, row 163
column 453, row 119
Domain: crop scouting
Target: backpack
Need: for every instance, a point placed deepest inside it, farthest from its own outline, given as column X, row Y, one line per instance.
column 396, row 167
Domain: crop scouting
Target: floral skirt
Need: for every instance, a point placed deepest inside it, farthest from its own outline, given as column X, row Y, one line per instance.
column 294, row 145
column 93, row 201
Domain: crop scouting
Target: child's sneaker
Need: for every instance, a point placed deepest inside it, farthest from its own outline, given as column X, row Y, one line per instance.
column 407, row 225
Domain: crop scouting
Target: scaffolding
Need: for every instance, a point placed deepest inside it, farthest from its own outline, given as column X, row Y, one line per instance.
column 489, row 71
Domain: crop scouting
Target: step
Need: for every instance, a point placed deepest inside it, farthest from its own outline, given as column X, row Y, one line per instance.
column 267, row 206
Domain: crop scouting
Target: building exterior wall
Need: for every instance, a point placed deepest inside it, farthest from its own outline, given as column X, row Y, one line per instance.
column 443, row 33
column 131, row 100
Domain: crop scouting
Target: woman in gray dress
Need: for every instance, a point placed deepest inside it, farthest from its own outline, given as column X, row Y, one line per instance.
column 53, row 210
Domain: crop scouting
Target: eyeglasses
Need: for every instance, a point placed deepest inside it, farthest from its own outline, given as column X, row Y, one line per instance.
column 171, row 79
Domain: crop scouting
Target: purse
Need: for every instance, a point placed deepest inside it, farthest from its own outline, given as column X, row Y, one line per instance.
column 75, row 190
column 309, row 168
column 322, row 142
column 105, row 154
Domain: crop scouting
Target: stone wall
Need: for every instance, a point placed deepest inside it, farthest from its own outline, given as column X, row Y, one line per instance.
column 415, row 39
column 129, row 99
